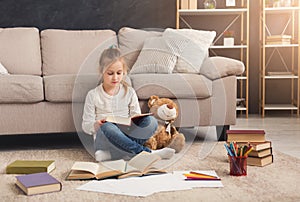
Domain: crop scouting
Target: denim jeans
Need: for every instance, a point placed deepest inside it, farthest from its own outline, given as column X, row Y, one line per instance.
column 123, row 140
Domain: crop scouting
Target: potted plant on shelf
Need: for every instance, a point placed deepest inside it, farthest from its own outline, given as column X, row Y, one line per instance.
column 228, row 38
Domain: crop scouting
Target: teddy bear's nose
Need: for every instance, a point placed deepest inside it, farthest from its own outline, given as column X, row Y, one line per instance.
column 170, row 106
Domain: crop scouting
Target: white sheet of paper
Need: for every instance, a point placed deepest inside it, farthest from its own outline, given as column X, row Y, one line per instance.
column 136, row 186
column 147, row 185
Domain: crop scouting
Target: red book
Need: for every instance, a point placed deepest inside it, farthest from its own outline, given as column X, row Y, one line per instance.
column 246, row 136
column 38, row 183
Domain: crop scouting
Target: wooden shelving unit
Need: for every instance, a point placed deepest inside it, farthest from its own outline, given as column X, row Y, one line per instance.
column 240, row 15
column 288, row 60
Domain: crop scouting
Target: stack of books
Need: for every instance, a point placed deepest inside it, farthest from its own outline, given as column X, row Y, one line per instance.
column 36, row 178
column 278, row 39
column 261, row 155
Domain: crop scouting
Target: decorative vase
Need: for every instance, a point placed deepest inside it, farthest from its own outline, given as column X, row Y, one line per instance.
column 210, row 4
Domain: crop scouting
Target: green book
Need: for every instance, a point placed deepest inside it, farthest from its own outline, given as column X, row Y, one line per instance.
column 30, row 166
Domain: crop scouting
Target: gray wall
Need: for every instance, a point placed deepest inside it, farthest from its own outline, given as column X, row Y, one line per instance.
column 87, row 14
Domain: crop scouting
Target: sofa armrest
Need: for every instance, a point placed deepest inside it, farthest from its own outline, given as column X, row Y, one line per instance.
column 219, row 67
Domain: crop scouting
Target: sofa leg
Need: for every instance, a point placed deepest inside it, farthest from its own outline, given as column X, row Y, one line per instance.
column 221, row 132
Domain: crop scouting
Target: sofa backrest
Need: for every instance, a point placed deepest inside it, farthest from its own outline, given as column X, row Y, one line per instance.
column 63, row 51
column 20, row 50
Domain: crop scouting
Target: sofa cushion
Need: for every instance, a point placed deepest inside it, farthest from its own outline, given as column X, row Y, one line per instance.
column 20, row 50
column 69, row 87
column 64, row 51
column 186, row 86
column 155, row 57
column 131, row 42
column 218, row 67
column 21, row 89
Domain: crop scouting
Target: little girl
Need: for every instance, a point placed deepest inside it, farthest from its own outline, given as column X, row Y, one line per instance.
column 115, row 97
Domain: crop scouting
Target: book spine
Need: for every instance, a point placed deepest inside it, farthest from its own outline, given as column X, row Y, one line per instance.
column 19, row 170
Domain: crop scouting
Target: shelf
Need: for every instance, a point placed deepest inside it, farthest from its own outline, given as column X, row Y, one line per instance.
column 281, row 45
column 280, row 107
column 282, row 77
column 224, row 47
column 241, row 108
column 241, row 77
column 224, row 11
column 238, row 20
column 284, row 20
column 277, row 10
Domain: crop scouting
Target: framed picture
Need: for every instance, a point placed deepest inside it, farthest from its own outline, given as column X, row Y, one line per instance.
column 230, row 3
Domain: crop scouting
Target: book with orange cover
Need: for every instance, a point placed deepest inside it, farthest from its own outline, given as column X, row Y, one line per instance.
column 246, row 136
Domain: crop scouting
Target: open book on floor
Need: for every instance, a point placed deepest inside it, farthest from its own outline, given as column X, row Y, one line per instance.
column 125, row 120
column 141, row 164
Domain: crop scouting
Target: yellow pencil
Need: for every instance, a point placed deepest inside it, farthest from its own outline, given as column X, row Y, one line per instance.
column 248, row 151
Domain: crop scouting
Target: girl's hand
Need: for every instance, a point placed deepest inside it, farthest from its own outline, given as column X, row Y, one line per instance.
column 98, row 124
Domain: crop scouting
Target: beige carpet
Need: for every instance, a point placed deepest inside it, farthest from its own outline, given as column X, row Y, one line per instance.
column 279, row 181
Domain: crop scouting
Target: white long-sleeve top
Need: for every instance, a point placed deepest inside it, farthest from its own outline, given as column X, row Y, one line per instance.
column 98, row 105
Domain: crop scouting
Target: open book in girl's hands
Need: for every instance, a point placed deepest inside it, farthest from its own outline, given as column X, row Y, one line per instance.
column 125, row 120
column 141, row 164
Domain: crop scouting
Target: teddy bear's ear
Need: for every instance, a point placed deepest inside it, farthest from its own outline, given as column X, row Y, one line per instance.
column 152, row 100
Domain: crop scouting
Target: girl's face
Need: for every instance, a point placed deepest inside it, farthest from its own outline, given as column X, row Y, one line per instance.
column 113, row 75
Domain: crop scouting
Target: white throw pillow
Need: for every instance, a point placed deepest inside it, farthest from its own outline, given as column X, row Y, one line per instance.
column 155, row 57
column 3, row 70
column 195, row 50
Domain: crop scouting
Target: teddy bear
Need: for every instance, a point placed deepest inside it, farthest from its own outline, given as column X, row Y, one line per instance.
column 165, row 111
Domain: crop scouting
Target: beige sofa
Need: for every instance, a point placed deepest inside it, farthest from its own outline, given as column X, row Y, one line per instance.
column 50, row 72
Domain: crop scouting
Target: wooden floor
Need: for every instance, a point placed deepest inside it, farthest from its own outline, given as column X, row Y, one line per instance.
column 284, row 132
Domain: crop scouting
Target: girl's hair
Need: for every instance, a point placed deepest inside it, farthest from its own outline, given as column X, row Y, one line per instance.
column 110, row 56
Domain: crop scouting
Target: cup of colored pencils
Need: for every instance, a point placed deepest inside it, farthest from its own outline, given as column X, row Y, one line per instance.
column 237, row 155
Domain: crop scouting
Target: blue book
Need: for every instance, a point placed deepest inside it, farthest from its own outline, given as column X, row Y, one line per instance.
column 38, row 183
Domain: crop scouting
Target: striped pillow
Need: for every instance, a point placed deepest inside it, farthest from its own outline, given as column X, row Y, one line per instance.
column 155, row 57
column 193, row 51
